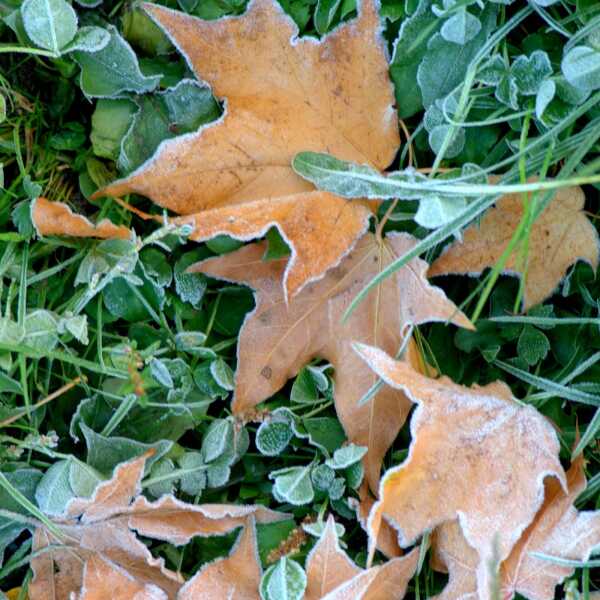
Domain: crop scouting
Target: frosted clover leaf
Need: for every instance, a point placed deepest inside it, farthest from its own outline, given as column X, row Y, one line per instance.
column 285, row 579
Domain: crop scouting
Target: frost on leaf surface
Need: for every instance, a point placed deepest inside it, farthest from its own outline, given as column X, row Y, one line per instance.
column 283, row 95
column 559, row 530
column 98, row 536
column 560, row 236
column 278, row 339
column 477, row 455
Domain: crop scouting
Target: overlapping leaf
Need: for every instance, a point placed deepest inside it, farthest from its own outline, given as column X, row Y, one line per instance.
column 559, row 237
column 283, row 95
column 278, row 339
column 477, row 455
column 559, row 531
column 98, row 541
column 332, row 575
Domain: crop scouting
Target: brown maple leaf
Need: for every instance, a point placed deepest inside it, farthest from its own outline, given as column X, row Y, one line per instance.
column 283, row 94
column 236, row 577
column 560, row 236
column 98, row 540
column 331, row 574
column 477, row 454
column 558, row 530
column 56, row 218
column 278, row 339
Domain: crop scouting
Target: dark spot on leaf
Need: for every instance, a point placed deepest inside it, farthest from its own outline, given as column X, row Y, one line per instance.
column 266, row 372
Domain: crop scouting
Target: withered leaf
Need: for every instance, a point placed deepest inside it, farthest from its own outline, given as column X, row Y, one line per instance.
column 102, row 529
column 477, row 454
column 236, row 577
column 278, row 339
column 327, row 566
column 332, row 575
column 560, row 236
column 387, row 538
column 56, row 218
column 558, row 530
column 283, row 94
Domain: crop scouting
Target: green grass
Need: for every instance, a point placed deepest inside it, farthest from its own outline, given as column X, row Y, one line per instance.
column 55, row 141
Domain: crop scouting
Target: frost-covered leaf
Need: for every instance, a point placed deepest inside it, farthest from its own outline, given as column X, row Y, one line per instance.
column 294, row 484
column 581, row 67
column 160, row 373
column 98, row 543
column 445, row 63
column 544, row 96
column 346, row 456
column 222, row 374
column 56, row 218
column 533, row 345
column 235, row 577
column 229, row 181
column 461, row 27
column 562, row 231
column 285, row 579
column 327, row 565
column 322, row 477
column 88, row 39
column 159, row 475
column 113, row 70
column 531, row 71
column 54, row 491
column 279, row 339
column 409, row 49
column 41, row 330
column 51, row 24
column 559, row 530
column 492, row 448
column 194, row 480
column 217, row 440
column 164, row 115
column 274, row 433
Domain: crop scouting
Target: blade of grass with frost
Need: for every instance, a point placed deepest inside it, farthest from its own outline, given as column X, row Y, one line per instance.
column 350, row 180
column 546, row 321
column 64, row 357
column 590, row 434
column 566, row 562
column 31, row 508
column 379, row 383
column 552, row 387
column 578, row 370
column 474, row 209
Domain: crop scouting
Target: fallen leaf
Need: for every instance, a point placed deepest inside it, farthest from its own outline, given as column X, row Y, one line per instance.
column 477, row 454
column 387, row 538
column 278, row 339
column 283, row 94
column 102, row 580
column 56, row 218
column 102, row 529
column 327, row 565
column 558, row 530
column 560, row 236
column 331, row 575
column 236, row 577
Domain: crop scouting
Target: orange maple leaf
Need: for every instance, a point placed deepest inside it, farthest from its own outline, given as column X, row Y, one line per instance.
column 560, row 236
column 98, row 549
column 331, row 575
column 278, row 339
column 283, row 94
column 477, row 454
column 558, row 530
